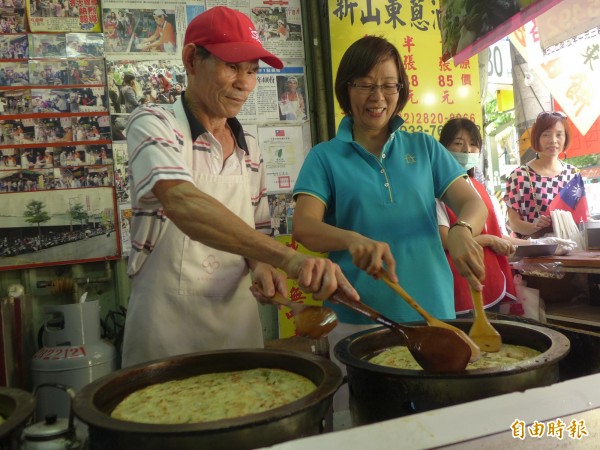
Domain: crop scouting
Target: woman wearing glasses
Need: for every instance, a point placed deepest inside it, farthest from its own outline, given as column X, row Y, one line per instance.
column 531, row 187
column 368, row 195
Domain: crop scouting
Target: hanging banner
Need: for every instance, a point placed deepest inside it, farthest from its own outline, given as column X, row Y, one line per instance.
column 470, row 26
column 568, row 73
column 438, row 91
column 582, row 144
column 567, row 20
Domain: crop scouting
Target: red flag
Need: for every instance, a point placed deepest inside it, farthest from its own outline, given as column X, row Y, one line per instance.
column 572, row 198
column 279, row 132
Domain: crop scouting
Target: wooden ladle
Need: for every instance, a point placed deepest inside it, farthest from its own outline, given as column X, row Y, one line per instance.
column 311, row 321
column 432, row 321
column 435, row 349
column 482, row 331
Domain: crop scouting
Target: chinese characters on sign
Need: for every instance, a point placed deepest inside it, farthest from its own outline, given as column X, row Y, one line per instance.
column 439, row 91
column 568, row 71
column 575, row 429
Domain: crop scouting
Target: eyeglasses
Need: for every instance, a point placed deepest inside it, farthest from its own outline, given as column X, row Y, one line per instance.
column 370, row 88
column 553, row 113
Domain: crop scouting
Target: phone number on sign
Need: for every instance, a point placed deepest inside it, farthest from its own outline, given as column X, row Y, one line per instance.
column 430, row 123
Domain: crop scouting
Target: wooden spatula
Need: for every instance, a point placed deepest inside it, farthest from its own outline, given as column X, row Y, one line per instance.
column 482, row 332
column 435, row 349
column 431, row 321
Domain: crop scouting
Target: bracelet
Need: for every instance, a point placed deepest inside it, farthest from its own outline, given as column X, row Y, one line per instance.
column 462, row 223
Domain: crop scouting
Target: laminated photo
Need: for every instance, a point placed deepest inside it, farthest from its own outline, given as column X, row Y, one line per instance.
column 118, row 125
column 86, row 72
column 48, row 227
column 155, row 81
column 13, row 181
column 85, row 45
column 41, row 176
column 12, row 17
column 90, row 155
column 14, row 73
column 121, row 163
column 17, row 131
column 56, row 130
column 15, row 102
column 64, row 16
column 47, row 45
column 48, row 72
column 63, row 100
column 279, row 27
column 14, row 46
column 292, row 100
column 142, row 30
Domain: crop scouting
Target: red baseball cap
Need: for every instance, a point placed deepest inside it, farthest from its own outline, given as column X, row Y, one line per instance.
column 229, row 35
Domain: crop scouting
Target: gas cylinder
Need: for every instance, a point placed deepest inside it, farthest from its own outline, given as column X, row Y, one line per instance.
column 72, row 354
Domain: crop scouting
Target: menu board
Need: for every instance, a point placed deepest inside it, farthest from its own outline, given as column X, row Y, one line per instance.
column 439, row 91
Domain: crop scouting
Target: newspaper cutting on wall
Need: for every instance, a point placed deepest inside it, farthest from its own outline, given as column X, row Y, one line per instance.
column 70, row 15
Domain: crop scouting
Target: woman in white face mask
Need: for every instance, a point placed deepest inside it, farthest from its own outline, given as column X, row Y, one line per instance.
column 462, row 138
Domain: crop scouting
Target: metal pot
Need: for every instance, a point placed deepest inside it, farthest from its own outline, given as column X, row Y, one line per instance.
column 380, row 393
column 16, row 407
column 53, row 433
column 304, row 417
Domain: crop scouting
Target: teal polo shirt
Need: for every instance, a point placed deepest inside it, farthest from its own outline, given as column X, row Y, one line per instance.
column 389, row 199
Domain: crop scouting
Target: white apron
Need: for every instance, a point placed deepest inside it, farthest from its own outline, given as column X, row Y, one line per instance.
column 189, row 297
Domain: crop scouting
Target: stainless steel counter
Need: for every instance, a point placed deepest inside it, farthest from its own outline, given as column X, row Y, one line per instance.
column 484, row 424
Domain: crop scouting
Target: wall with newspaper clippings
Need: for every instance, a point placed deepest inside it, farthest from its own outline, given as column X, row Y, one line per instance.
column 63, row 155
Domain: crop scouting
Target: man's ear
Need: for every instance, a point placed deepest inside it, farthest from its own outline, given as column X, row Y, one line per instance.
column 188, row 56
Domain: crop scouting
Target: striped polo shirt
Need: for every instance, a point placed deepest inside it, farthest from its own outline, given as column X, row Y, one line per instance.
column 161, row 147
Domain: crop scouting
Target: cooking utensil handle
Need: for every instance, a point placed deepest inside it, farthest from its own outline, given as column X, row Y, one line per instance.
column 277, row 298
column 477, row 302
column 367, row 311
column 406, row 296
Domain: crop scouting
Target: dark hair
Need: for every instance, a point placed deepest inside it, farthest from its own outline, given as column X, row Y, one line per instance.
column 128, row 78
column 202, row 53
column 359, row 60
column 454, row 126
column 545, row 121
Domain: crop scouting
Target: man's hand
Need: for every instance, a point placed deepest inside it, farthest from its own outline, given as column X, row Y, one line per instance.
column 320, row 276
column 268, row 280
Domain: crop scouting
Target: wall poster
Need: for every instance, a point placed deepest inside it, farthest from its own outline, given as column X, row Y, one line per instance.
column 48, row 227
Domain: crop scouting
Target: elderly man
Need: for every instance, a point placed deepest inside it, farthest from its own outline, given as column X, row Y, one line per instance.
column 200, row 208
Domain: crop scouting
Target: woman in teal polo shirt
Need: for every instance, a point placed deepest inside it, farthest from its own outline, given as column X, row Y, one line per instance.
column 368, row 196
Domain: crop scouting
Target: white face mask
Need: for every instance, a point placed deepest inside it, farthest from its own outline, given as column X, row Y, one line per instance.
column 467, row 160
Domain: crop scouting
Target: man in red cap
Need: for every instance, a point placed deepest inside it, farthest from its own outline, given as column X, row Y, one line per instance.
column 201, row 218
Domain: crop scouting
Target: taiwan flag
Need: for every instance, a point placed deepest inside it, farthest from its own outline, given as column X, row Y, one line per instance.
column 572, row 198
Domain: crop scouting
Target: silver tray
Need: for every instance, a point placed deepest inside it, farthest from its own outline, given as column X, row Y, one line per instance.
column 529, row 251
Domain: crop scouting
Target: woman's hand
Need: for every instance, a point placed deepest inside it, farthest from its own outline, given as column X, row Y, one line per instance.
column 370, row 256
column 542, row 222
column 467, row 256
column 498, row 245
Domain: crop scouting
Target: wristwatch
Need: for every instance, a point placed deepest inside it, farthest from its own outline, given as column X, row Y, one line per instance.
column 462, row 223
